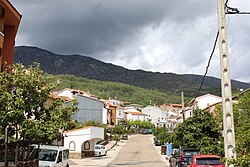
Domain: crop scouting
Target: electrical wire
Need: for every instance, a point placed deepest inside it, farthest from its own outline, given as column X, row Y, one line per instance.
column 208, row 64
column 231, row 10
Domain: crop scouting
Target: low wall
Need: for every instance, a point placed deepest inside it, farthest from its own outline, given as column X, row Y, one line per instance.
column 88, row 154
column 82, row 155
column 75, row 155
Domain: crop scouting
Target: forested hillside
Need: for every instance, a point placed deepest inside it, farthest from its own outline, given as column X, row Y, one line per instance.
column 116, row 90
column 87, row 67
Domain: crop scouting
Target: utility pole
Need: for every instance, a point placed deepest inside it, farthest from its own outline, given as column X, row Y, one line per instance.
column 182, row 106
column 228, row 120
column 182, row 100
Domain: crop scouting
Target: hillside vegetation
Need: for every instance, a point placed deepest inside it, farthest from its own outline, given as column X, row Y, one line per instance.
column 116, row 90
column 87, row 67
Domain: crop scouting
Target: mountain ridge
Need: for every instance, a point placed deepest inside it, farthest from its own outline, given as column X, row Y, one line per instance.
column 88, row 67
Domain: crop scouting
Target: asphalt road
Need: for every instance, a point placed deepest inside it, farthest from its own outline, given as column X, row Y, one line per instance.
column 138, row 151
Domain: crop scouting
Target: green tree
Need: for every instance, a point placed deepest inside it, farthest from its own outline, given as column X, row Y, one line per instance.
column 163, row 135
column 26, row 103
column 242, row 130
column 118, row 130
column 140, row 124
column 199, row 131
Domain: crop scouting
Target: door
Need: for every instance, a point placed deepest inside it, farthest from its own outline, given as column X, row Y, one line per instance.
column 65, row 158
column 59, row 162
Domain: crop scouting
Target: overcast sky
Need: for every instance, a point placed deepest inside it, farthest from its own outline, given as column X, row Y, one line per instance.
column 155, row 35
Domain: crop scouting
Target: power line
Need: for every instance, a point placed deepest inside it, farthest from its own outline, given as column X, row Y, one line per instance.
column 231, row 10
column 204, row 76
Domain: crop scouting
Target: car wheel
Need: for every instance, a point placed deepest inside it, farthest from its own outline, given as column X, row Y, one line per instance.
column 99, row 154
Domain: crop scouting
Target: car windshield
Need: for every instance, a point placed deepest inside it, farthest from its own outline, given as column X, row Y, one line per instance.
column 190, row 152
column 45, row 154
column 208, row 161
column 97, row 147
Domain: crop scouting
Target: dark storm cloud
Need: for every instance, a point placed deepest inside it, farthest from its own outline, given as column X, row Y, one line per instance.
column 159, row 35
column 96, row 26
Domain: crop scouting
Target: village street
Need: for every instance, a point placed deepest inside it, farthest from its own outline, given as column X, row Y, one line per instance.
column 137, row 151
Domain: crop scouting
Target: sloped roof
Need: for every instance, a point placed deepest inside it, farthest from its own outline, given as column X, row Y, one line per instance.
column 55, row 96
column 200, row 97
column 135, row 113
column 75, row 130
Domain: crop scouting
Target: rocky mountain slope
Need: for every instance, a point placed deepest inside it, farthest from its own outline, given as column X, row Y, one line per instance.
column 87, row 67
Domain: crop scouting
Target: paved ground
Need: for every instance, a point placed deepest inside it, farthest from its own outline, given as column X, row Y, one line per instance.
column 137, row 151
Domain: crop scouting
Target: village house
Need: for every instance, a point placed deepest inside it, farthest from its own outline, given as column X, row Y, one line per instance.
column 177, row 108
column 120, row 115
column 133, row 115
column 89, row 107
column 9, row 23
column 111, row 113
column 81, row 142
column 201, row 102
column 159, row 116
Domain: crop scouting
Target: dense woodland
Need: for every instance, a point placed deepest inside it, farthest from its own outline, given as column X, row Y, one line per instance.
column 115, row 90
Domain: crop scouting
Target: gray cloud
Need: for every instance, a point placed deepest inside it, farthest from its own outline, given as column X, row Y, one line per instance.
column 158, row 35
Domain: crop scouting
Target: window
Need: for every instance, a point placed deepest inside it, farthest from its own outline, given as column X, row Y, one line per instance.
column 72, row 146
column 86, row 145
column 208, row 161
column 65, row 154
column 45, row 154
column 59, row 157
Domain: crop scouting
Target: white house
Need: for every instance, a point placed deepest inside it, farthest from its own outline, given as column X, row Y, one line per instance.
column 201, row 102
column 90, row 108
column 120, row 115
column 159, row 116
column 133, row 114
column 205, row 101
column 67, row 92
column 81, row 142
column 187, row 112
column 156, row 115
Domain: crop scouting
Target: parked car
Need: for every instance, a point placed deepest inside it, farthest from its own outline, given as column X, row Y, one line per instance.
column 206, row 161
column 184, row 155
column 100, row 150
column 124, row 137
column 149, row 131
column 51, row 156
column 156, row 142
column 144, row 132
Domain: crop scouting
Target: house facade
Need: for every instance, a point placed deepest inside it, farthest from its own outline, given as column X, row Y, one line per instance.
column 111, row 114
column 119, row 114
column 89, row 107
column 133, row 115
column 9, row 23
column 81, row 142
column 201, row 102
column 159, row 116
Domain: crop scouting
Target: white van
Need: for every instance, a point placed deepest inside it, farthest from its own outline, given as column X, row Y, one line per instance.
column 51, row 156
column 100, row 150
